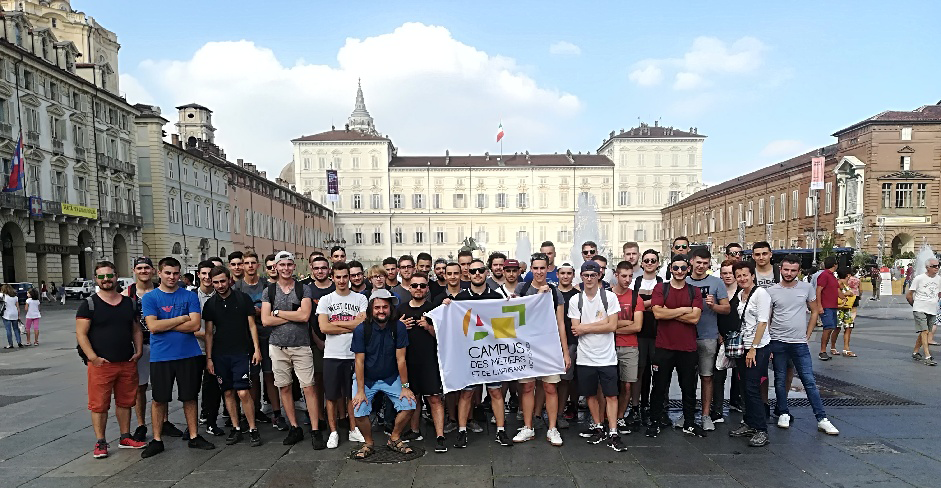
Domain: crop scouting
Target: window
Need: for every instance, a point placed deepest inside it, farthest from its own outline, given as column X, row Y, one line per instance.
column 174, row 215
column 674, row 197
column 641, row 197
column 783, row 207
column 749, row 217
column 306, row 164
column 692, row 159
column 564, row 199
column 186, row 213
column 903, row 195
column 522, row 200
column 906, row 163
column 640, row 235
column 657, row 196
column 32, row 179
column 377, row 235
column 208, row 215
column 827, row 196
column 761, row 211
column 921, row 197
column 656, row 160
column 640, row 159
column 321, row 163
column 543, row 199
column 358, row 236
column 397, row 200
column 501, row 233
column 624, row 199
column 436, row 201
column 731, row 222
column 355, row 162
column 481, row 200
column 227, row 222
column 29, row 80
column 675, row 160
column 418, row 200
column 81, row 190
column 376, row 201
column 565, row 235
column 440, row 236
column 794, row 196
column 116, row 199
column 337, row 162
column 906, row 133
column 771, row 209
column 397, row 236
column 32, row 120
column 58, row 187
column 460, row 200
column 501, row 200
column 809, row 204
column 375, row 161
column 606, row 199
column 419, row 236
column 741, row 214
column 357, row 201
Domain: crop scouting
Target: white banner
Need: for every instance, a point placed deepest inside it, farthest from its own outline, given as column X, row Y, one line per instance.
column 486, row 341
column 816, row 173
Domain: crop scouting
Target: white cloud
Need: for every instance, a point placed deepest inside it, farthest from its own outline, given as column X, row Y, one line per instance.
column 564, row 48
column 134, row 91
column 688, row 81
column 427, row 90
column 707, row 57
column 649, row 75
column 784, row 148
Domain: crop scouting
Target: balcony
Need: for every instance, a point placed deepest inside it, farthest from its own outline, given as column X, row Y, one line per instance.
column 32, row 138
column 6, row 131
column 58, row 147
column 122, row 218
column 50, row 207
column 13, row 202
column 80, row 153
column 113, row 163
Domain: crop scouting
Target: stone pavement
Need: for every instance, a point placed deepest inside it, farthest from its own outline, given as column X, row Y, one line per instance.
column 46, row 438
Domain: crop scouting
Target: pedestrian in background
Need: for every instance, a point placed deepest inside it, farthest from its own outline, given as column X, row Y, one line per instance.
column 62, row 293
column 11, row 315
column 45, row 291
column 32, row 316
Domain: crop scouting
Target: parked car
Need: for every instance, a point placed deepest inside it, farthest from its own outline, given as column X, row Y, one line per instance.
column 22, row 290
column 79, row 288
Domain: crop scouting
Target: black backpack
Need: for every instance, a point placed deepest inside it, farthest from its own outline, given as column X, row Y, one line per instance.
column 637, row 283
column 604, row 299
column 666, row 292
column 298, row 290
column 555, row 299
column 91, row 308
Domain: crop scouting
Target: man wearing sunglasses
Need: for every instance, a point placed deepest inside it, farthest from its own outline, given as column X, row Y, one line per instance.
column 923, row 295
column 715, row 298
column 270, row 270
column 677, row 307
column 680, row 247
column 320, row 286
column 733, row 251
column 143, row 283
column 252, row 285
column 406, row 271
column 643, row 287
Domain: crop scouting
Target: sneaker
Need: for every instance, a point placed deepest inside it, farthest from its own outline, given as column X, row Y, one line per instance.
column 652, row 431
column 695, row 430
column 235, row 436
column 824, row 356
column 153, row 448
column 213, row 429
column 717, row 420
column 199, row 443
column 440, row 446
column 280, row 423
column 598, row 437
column 569, row 413
column 262, row 417
column 356, row 436
column 736, row 407
column 202, row 418
column 333, row 441
column 412, row 435
column 255, row 438
column 916, row 356
column 101, row 450
column 519, row 415
column 632, row 419
column 554, row 437
column 461, row 441
column 502, row 438
column 129, row 443
column 561, row 423
column 929, row 361
column 707, row 424
column 760, row 439
column 171, row 430
column 665, row 421
column 295, row 435
column 623, row 427
column 784, row 421
column 474, row 427
column 743, row 431
column 493, row 419
column 140, row 433
column 450, row 426
column 524, row 434
column 590, row 431
column 824, row 425
column 614, row 442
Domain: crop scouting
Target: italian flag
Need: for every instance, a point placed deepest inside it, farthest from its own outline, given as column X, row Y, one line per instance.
column 500, row 132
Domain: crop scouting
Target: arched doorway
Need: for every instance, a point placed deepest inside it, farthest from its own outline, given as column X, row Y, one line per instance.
column 119, row 249
column 13, row 248
column 203, row 249
column 223, row 255
column 86, row 254
column 903, row 243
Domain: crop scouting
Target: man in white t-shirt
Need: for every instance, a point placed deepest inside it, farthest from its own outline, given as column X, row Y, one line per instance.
column 338, row 314
column 594, row 320
column 923, row 295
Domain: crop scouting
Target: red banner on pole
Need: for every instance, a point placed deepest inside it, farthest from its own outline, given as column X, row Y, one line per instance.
column 816, row 178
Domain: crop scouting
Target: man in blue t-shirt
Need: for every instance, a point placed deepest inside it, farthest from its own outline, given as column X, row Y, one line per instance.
column 172, row 314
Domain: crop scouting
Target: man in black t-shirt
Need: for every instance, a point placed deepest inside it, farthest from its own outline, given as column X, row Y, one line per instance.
column 566, row 275
column 320, row 286
column 232, row 348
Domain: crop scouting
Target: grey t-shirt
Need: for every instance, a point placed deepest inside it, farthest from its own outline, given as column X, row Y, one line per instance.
column 708, row 325
column 404, row 294
column 789, row 312
column 559, row 299
column 288, row 334
column 255, row 292
column 764, row 280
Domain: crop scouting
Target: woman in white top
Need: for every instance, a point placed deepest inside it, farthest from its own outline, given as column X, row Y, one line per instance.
column 754, row 310
column 11, row 315
column 32, row 316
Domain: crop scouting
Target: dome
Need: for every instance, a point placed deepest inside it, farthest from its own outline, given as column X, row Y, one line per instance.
column 287, row 173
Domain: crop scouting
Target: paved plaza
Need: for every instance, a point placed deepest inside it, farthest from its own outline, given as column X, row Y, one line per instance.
column 891, row 440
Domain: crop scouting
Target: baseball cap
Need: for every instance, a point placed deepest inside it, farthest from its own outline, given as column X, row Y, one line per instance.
column 284, row 255
column 511, row 263
column 143, row 260
column 591, row 266
column 567, row 265
column 385, row 295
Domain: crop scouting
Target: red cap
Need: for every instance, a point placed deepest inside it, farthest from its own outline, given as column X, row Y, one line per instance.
column 511, row 263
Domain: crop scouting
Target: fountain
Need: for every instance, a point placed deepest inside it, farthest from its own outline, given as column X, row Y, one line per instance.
column 922, row 258
column 523, row 249
column 586, row 229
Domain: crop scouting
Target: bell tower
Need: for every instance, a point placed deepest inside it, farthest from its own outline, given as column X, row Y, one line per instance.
column 195, row 123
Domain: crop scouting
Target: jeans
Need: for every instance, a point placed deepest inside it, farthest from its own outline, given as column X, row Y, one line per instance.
column 799, row 353
column 665, row 360
column 756, row 416
column 13, row 327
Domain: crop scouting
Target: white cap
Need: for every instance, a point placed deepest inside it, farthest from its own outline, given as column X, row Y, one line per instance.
column 283, row 255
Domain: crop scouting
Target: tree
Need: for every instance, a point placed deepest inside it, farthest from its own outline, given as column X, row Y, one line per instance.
column 862, row 260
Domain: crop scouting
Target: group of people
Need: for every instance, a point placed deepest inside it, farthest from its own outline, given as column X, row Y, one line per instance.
column 13, row 322
column 352, row 344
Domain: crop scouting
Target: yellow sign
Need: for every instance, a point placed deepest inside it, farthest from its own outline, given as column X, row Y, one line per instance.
column 79, row 211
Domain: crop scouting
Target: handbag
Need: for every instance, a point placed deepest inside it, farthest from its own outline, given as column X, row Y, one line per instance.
column 734, row 344
column 723, row 362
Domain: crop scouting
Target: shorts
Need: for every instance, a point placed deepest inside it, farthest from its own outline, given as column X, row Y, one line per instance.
column 628, row 361
column 232, row 371
column 337, row 379
column 265, row 355
column 573, row 353
column 844, row 318
column 31, row 324
column 490, row 386
column 318, row 358
column 924, row 321
column 391, row 391
column 707, row 349
column 284, row 360
column 119, row 379
column 186, row 372
column 551, row 379
column 589, row 377
column 828, row 318
column 143, row 366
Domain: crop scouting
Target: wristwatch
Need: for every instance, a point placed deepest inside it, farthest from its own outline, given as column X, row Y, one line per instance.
column 275, row 313
column 404, row 385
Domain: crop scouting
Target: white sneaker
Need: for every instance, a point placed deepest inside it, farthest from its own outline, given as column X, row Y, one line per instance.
column 333, row 441
column 553, row 436
column 526, row 434
column 825, row 426
column 784, row 421
column 356, row 436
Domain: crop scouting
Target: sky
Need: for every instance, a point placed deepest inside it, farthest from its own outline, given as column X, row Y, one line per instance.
column 764, row 81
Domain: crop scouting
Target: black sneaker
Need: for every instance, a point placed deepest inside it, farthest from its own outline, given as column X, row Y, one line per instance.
column 590, row 431
column 461, row 441
column 916, row 356
column 665, row 421
column 736, row 407
column 213, row 429
column 652, row 431
column 202, row 418
column 645, row 417
column 295, row 435
column 632, row 419
column 694, row 430
column 255, row 437
column 280, row 423
column 262, row 417
column 503, row 439
column 153, row 448
column 199, row 443
column 823, row 356
column 760, row 439
column 614, row 442
column 316, row 440
column 440, row 446
column 743, row 431
column 623, row 427
column 412, row 435
column 140, row 433
column 235, row 436
column 171, row 430
column 598, row 436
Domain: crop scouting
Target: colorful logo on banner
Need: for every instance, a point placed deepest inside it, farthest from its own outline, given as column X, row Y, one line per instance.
column 333, row 185
column 816, row 178
column 501, row 327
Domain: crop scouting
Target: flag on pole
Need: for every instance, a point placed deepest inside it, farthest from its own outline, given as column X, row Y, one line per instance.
column 17, row 169
column 500, row 132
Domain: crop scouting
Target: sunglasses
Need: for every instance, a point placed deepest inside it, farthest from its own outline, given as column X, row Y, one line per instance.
column 680, row 268
column 419, row 285
column 734, row 253
column 103, row 276
column 477, row 270
column 406, row 267
column 270, row 267
column 589, row 252
column 651, row 261
column 934, row 266
column 681, row 246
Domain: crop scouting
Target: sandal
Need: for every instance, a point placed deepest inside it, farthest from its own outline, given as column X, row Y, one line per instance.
column 849, row 354
column 363, row 452
column 399, row 446
column 834, row 352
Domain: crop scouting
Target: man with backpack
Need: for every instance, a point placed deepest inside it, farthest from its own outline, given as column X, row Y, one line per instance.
column 643, row 288
column 630, row 321
column 111, row 340
column 677, row 307
column 715, row 302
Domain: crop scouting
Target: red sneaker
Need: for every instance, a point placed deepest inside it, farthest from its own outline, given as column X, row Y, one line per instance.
column 101, row 450
column 130, row 443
